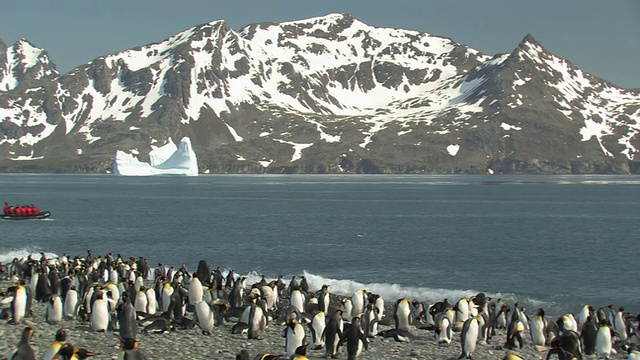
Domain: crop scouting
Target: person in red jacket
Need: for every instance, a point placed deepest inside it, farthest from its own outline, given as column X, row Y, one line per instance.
column 28, row 210
column 36, row 211
column 11, row 210
column 18, row 211
column 6, row 208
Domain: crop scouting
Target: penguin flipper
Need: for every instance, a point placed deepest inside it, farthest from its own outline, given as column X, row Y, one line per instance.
column 365, row 341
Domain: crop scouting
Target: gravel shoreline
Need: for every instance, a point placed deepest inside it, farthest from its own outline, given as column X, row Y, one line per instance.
column 222, row 344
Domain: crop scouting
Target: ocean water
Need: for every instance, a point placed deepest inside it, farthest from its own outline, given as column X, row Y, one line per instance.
column 555, row 242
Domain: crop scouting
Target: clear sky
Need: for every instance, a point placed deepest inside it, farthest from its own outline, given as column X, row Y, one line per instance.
column 601, row 37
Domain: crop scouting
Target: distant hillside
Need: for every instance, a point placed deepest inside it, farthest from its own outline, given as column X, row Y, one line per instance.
column 322, row 95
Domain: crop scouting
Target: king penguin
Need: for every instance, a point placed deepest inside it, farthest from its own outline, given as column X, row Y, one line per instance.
column 603, row 341
column 317, row 326
column 53, row 312
column 514, row 333
column 167, row 291
column 588, row 336
column 53, row 349
column 130, row 350
column 205, row 317
column 469, row 337
column 333, row 333
column 402, row 314
column 634, row 353
column 537, row 329
column 256, row 321
column 324, row 299
column 358, row 300
column 370, row 320
column 127, row 319
column 99, row 316
column 294, row 335
column 18, row 304
column 511, row 357
column 152, row 304
column 443, row 329
column 347, row 309
column 196, row 292
column 301, row 353
column 298, row 300
column 68, row 352
column 355, row 339
column 566, row 346
column 140, row 302
column 620, row 324
column 24, row 351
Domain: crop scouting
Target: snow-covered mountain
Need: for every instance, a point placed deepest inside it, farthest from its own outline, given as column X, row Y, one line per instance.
column 322, row 95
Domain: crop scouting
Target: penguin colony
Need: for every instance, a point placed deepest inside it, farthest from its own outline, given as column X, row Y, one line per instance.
column 110, row 294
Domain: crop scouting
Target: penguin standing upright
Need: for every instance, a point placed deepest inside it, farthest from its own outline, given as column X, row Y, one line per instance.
column 294, row 335
column 18, row 303
column 24, row 351
column 53, row 312
column 333, row 333
column 195, row 289
column 370, row 320
column 443, row 330
column 324, row 299
column 152, row 304
column 293, row 285
column 620, row 324
column 205, row 317
column 99, row 316
column 402, row 314
column 127, row 319
column 42, row 289
column 220, row 308
column 462, row 310
column 52, row 350
column 588, row 335
column 358, row 300
column 257, row 322
column 347, row 309
column 355, row 339
column 298, row 300
column 514, row 333
column 603, row 341
column 501, row 316
column 304, row 286
column 537, row 328
column 379, row 302
column 581, row 318
column 469, row 337
column 141, row 301
column 316, row 327
column 167, row 291
column 566, row 346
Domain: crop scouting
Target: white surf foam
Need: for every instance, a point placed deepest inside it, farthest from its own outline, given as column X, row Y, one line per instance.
column 34, row 251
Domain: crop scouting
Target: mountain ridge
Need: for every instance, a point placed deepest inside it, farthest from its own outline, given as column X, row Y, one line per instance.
column 322, row 95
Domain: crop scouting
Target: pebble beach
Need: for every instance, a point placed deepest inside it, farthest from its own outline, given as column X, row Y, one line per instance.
column 223, row 344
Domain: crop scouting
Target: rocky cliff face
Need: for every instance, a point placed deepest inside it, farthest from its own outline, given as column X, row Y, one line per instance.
column 323, row 95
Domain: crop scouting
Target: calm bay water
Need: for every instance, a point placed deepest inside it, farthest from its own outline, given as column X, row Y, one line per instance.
column 547, row 241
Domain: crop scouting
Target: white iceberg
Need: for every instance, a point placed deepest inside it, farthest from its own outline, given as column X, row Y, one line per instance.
column 165, row 160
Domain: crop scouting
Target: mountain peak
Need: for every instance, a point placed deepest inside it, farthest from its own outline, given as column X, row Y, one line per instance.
column 328, row 94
